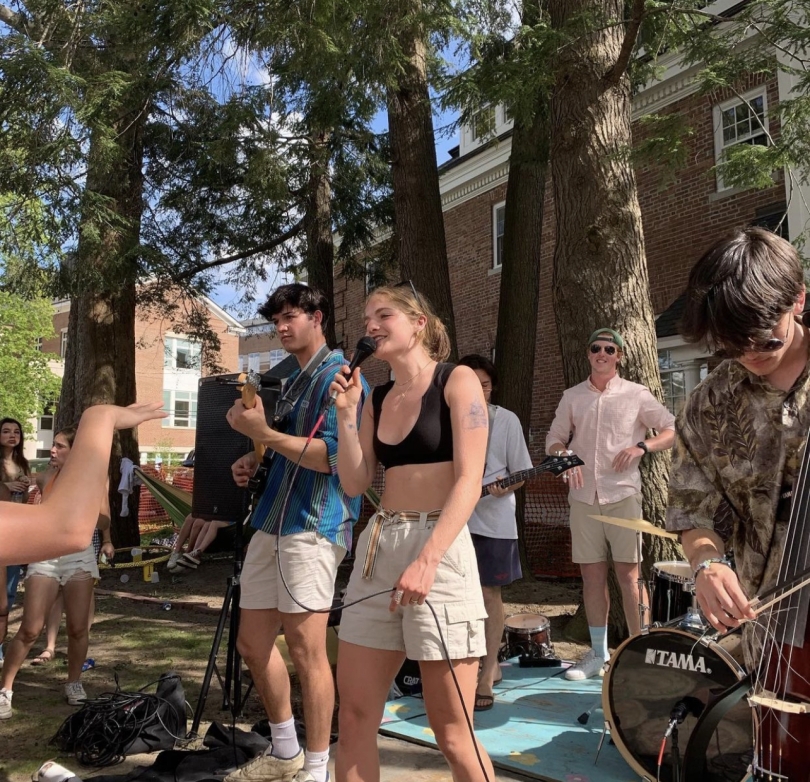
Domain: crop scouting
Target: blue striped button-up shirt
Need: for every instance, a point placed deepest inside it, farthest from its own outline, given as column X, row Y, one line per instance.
column 317, row 500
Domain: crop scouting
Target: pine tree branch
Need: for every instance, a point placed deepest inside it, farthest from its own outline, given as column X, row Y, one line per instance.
column 260, row 248
column 628, row 44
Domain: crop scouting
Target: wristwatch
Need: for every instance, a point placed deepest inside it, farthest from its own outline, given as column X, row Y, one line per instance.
column 643, row 446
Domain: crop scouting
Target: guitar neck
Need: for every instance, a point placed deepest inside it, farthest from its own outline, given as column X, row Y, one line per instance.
column 511, row 480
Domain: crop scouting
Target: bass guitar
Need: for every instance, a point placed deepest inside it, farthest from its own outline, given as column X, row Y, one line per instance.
column 556, row 465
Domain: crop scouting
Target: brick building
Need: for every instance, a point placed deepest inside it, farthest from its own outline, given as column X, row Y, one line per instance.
column 167, row 367
column 259, row 346
column 682, row 215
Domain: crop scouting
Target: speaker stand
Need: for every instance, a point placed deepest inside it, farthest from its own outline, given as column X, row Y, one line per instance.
column 231, row 685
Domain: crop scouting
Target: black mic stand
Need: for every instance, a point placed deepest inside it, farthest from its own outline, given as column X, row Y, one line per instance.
column 232, row 697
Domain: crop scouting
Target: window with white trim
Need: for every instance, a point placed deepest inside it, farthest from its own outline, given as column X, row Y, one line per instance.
column 498, row 218
column 182, row 409
column 679, row 378
column 482, row 123
column 38, row 344
column 277, row 356
column 46, row 419
column 63, row 344
column 741, row 120
column 182, row 354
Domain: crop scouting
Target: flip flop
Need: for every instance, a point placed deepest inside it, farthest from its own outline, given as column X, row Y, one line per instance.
column 486, row 702
column 42, row 659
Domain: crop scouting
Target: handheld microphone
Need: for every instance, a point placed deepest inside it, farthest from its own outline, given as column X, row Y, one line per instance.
column 365, row 347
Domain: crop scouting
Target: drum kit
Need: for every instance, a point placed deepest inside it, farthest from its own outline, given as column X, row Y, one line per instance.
column 657, row 684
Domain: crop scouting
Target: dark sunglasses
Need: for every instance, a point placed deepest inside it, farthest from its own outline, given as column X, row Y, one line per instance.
column 413, row 289
column 768, row 346
column 609, row 349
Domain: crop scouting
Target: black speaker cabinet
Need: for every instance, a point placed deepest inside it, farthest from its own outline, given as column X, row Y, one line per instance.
column 217, row 447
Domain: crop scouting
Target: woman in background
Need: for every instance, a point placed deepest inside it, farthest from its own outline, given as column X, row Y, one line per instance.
column 15, row 475
column 63, row 523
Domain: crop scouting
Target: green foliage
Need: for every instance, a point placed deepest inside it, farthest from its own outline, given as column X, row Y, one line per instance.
column 28, row 383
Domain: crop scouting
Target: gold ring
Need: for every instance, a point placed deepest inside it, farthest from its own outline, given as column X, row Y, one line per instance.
column 413, row 601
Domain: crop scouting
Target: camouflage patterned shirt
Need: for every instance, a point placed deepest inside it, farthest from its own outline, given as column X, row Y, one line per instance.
column 737, row 453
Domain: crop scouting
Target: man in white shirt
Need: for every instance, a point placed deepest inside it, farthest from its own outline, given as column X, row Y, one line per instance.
column 604, row 420
column 493, row 525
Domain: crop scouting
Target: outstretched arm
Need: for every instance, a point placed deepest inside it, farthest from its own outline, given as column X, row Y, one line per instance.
column 65, row 520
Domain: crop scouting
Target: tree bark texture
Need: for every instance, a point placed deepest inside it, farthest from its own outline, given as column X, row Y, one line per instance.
column 520, row 278
column 419, row 238
column 320, row 257
column 600, row 270
column 100, row 356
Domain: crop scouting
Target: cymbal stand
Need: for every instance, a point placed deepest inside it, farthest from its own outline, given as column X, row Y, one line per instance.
column 642, row 608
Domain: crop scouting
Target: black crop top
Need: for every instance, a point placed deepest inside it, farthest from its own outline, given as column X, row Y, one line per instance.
column 431, row 439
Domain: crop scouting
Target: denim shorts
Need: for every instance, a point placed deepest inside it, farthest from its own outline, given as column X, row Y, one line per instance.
column 456, row 594
column 63, row 569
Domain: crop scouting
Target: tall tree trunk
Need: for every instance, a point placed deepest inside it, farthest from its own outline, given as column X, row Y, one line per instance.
column 320, row 257
column 100, row 357
column 600, row 270
column 520, row 277
column 419, row 238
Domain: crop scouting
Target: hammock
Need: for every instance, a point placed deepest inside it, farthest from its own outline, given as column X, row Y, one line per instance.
column 176, row 502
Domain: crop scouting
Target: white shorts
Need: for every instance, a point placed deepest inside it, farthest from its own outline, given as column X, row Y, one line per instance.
column 63, row 569
column 308, row 562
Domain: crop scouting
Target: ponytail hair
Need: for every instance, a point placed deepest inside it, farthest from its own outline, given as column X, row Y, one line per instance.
column 433, row 338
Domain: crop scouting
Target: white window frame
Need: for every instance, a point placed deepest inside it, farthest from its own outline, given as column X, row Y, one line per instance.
column 63, row 343
column 496, row 261
column 491, row 130
column 277, row 355
column 170, row 404
column 170, row 344
column 718, row 110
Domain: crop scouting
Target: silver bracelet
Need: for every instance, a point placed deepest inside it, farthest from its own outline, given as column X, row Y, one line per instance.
column 707, row 563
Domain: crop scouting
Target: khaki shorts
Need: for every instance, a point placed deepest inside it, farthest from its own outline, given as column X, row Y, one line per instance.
column 590, row 538
column 308, row 563
column 456, row 595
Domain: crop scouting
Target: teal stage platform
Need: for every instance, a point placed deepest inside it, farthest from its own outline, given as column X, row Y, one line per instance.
column 532, row 729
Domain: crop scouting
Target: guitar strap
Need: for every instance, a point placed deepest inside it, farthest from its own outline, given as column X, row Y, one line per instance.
column 290, row 395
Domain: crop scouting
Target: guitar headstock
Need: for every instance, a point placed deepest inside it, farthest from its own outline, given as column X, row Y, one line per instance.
column 249, row 383
column 557, row 465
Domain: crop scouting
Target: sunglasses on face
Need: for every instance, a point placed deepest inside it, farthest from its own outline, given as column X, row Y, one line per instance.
column 609, row 349
column 768, row 346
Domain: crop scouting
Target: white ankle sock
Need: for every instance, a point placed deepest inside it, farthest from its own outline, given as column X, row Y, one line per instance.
column 284, row 740
column 316, row 763
column 599, row 641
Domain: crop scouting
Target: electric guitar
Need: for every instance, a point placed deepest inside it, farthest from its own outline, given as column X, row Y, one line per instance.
column 556, row 465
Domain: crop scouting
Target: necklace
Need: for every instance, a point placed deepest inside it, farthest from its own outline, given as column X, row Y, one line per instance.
column 413, row 377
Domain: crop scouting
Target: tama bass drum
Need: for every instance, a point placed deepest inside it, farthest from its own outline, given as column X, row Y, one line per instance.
column 650, row 676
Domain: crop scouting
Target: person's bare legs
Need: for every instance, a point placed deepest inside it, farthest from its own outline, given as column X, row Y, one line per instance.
column 198, row 527
column 208, row 536
column 185, row 531
column 627, row 576
column 364, row 678
column 305, row 634
column 40, row 592
column 447, row 719
column 595, row 593
column 78, row 595
column 256, row 643
column 53, row 623
column 493, row 624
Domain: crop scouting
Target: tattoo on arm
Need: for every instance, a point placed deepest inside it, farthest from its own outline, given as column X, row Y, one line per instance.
column 477, row 417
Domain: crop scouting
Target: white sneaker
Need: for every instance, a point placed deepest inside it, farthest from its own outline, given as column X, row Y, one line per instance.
column 75, row 694
column 173, row 557
column 268, row 768
column 5, row 704
column 588, row 667
column 305, row 776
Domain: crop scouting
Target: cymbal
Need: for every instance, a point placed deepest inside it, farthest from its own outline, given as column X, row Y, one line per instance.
column 638, row 525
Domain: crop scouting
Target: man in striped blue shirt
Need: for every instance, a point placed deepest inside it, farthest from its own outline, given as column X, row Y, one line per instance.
column 304, row 528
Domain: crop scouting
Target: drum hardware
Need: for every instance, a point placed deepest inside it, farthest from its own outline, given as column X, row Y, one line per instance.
column 586, row 715
column 672, row 589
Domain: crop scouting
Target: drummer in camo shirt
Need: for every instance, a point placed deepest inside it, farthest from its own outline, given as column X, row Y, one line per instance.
column 493, row 525
column 604, row 420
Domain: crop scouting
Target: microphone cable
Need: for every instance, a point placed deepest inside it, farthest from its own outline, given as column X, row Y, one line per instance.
column 342, row 605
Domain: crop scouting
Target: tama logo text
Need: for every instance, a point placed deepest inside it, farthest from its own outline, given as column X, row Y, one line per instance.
column 679, row 660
